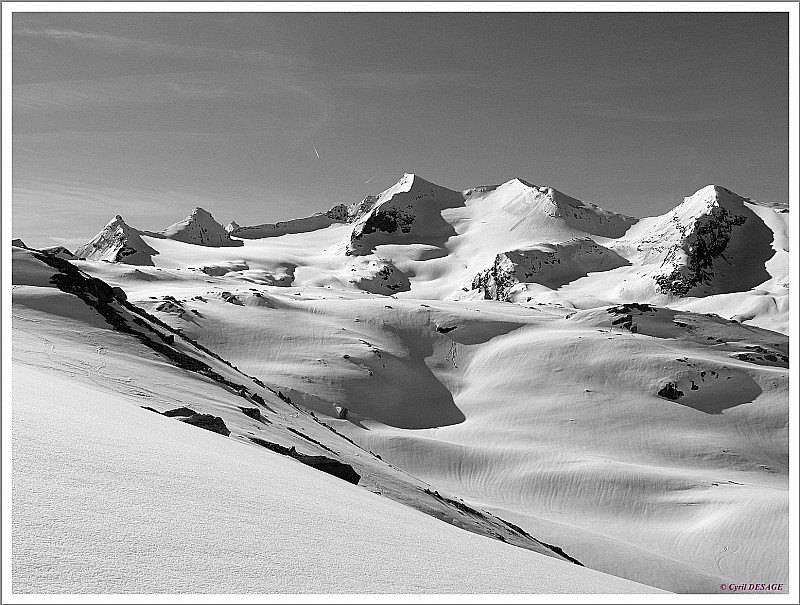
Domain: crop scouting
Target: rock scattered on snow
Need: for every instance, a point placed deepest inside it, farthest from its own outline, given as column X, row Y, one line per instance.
column 670, row 391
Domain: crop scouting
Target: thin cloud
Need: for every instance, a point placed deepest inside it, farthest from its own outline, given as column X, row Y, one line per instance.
column 621, row 112
column 156, row 88
column 154, row 48
column 406, row 80
column 55, row 197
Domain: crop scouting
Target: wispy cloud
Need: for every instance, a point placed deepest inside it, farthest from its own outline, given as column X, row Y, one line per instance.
column 405, row 80
column 155, row 48
column 615, row 111
column 129, row 90
column 268, row 93
column 54, row 198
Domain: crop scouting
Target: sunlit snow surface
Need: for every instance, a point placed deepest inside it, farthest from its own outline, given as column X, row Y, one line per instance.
column 544, row 411
column 110, row 498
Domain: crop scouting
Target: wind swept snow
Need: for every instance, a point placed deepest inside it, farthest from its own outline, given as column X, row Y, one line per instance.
column 110, row 498
column 582, row 385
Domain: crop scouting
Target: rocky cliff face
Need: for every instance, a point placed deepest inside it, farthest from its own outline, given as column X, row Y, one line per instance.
column 409, row 211
column 690, row 263
column 704, row 243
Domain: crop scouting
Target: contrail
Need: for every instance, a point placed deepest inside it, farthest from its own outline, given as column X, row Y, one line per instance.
column 315, row 150
column 369, row 179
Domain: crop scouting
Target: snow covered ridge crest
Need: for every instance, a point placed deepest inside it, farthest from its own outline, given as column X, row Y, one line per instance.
column 584, row 216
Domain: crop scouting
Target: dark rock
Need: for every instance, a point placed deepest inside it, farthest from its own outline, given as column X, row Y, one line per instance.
column 119, row 293
column 705, row 241
column 179, row 412
column 231, row 298
column 443, row 330
column 670, row 391
column 254, row 413
column 211, row 423
column 330, row 466
column 321, row 463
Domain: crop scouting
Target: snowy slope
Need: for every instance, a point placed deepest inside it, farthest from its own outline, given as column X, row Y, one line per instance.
column 626, row 404
column 555, row 420
column 64, row 341
column 138, row 503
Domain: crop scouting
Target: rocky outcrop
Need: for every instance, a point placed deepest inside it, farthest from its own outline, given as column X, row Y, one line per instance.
column 408, row 212
column 321, row 463
column 59, row 251
column 182, row 411
column 215, row 424
column 253, row 413
column 690, row 262
column 712, row 243
column 379, row 276
column 388, row 220
column 670, row 391
column 550, row 265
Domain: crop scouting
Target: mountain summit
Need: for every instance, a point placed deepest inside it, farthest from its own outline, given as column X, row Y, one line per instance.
column 516, row 241
column 201, row 229
column 118, row 242
column 712, row 243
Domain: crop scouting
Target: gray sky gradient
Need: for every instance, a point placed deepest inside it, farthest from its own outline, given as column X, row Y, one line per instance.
column 150, row 114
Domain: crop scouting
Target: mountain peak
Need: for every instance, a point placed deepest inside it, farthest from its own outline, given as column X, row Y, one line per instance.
column 410, row 181
column 201, row 229
column 708, row 197
column 523, row 182
column 118, row 242
column 198, row 212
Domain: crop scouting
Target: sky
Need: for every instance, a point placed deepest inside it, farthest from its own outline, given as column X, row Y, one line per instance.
column 148, row 115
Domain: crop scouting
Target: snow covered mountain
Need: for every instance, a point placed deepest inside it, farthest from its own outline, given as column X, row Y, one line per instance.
column 580, row 385
column 201, row 229
column 711, row 244
column 118, row 242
